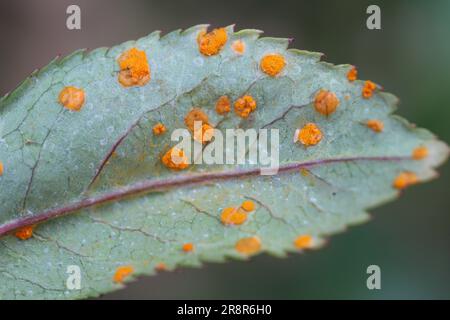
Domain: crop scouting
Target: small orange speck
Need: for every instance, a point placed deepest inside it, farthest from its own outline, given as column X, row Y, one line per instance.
column 405, row 179
column 223, row 105
column 211, row 43
column 71, row 98
column 24, row 233
column 159, row 129
column 196, row 114
column 244, row 106
column 303, row 241
column 326, row 102
column 368, row 89
column 122, row 273
column 175, row 159
column 304, row 172
column 188, row 247
column 161, row 266
column 248, row 246
column 204, row 134
column 352, row 75
column 375, row 125
column 233, row 216
column 238, row 46
column 248, row 205
column 420, row 153
column 272, row 64
column 347, row 97
column 309, row 135
column 134, row 68
column 1, row 168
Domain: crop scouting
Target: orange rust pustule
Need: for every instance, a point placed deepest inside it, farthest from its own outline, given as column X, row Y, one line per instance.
column 122, row 273
column 204, row 134
column 134, row 68
column 223, row 105
column 24, row 233
column 72, row 98
column 244, row 106
column 352, row 74
column 159, row 129
column 303, row 241
column 211, row 43
column 375, row 125
column 272, row 64
column 326, row 102
column 309, row 135
column 238, row 46
column 248, row 246
column 196, row 114
column 161, row 267
column 1, row 168
column 233, row 216
column 175, row 159
column 248, row 205
column 368, row 89
column 419, row 153
column 188, row 247
column 405, row 179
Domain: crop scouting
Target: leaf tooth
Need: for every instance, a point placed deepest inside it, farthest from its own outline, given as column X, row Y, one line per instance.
column 250, row 33
column 297, row 53
column 278, row 43
column 195, row 29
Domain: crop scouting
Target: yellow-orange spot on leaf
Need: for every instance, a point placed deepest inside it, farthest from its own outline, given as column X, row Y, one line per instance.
column 122, row 273
column 304, row 172
column 272, row 64
column 24, row 233
column 134, row 68
column 420, row 153
column 204, row 134
column 368, row 89
column 375, row 125
column 248, row 205
column 325, row 102
column 211, row 43
column 196, row 114
column 347, row 97
column 71, row 98
column 161, row 266
column 233, row 216
column 244, row 106
column 238, row 46
column 223, row 105
column 352, row 75
column 1, row 168
column 159, row 129
column 303, row 242
column 175, row 159
column 188, row 247
column 248, row 246
column 405, row 179
column 309, row 135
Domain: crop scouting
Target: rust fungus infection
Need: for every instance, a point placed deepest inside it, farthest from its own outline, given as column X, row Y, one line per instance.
column 223, row 105
column 309, row 135
column 233, row 216
column 418, row 153
column 122, row 273
column 303, row 242
column 248, row 246
column 244, row 106
column 325, row 102
column 210, row 43
column 272, row 64
column 196, row 114
column 1, row 168
column 352, row 74
column 248, row 205
column 188, row 247
column 24, row 233
column 375, row 125
column 161, row 267
column 405, row 179
column 71, row 98
column 175, row 159
column 159, row 129
column 238, row 46
column 134, row 68
column 368, row 89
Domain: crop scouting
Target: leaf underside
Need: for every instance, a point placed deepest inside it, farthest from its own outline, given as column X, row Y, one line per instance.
column 51, row 156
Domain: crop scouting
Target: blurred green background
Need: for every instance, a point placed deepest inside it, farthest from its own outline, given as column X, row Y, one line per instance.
column 409, row 239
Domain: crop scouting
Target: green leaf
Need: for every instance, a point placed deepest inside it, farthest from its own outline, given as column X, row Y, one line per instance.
column 100, row 168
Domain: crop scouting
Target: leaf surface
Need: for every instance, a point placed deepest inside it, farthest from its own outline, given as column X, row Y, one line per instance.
column 95, row 183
